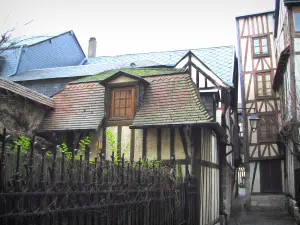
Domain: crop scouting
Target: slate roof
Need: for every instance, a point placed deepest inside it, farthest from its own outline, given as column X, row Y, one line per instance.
column 171, row 100
column 219, row 59
column 78, row 107
column 40, row 52
column 168, row 100
column 25, row 92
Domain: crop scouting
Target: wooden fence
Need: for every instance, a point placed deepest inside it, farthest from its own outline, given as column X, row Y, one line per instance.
column 53, row 190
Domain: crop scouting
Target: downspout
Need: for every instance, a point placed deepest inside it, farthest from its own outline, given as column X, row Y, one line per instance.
column 222, row 158
column 18, row 64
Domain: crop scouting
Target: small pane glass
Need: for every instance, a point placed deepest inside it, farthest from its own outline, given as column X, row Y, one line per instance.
column 122, row 103
column 122, row 112
column 117, row 103
column 128, row 111
column 116, row 112
column 123, row 94
column 297, row 21
column 117, row 94
column 256, row 51
column 256, row 43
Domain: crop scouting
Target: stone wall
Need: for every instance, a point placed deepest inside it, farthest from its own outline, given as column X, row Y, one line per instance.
column 19, row 115
column 268, row 202
column 293, row 209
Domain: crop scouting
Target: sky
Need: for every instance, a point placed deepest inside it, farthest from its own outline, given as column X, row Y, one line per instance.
column 132, row 26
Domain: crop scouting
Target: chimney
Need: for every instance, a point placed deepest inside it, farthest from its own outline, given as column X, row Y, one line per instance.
column 92, row 47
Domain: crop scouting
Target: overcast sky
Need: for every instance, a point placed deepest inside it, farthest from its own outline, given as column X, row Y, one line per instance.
column 131, row 26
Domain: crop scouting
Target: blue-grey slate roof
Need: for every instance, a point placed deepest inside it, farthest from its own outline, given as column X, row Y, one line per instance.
column 63, row 72
column 41, row 52
column 219, row 59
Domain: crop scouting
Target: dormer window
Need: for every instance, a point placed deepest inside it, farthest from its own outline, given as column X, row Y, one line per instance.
column 122, row 106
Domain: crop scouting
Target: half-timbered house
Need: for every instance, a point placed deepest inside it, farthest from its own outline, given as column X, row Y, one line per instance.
column 157, row 113
column 286, row 85
column 264, row 162
column 212, row 70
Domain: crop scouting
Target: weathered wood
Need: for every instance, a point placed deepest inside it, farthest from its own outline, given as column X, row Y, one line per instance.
column 159, row 143
column 144, row 153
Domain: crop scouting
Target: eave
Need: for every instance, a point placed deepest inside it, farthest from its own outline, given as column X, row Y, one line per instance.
column 281, row 67
column 215, row 126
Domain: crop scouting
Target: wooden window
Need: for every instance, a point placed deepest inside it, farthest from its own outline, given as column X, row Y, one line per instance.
column 263, row 84
column 122, row 106
column 297, row 20
column 260, row 46
column 270, row 176
column 267, row 129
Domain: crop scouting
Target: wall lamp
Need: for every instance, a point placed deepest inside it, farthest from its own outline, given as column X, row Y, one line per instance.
column 253, row 122
column 253, row 119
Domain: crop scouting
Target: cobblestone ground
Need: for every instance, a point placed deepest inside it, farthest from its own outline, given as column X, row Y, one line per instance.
column 242, row 217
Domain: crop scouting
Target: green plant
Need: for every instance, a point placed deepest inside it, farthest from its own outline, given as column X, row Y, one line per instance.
column 113, row 145
column 24, row 142
column 82, row 145
column 64, row 148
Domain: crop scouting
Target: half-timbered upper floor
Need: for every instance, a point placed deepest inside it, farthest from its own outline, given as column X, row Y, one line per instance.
column 257, row 67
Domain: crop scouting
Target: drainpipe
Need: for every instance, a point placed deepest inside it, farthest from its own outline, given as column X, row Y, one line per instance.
column 19, row 59
column 222, row 158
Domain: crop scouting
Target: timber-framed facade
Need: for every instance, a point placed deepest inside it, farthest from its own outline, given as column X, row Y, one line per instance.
column 264, row 162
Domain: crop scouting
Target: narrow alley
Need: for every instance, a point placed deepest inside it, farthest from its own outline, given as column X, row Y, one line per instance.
column 240, row 216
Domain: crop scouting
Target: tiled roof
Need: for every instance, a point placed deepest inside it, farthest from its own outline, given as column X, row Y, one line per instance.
column 40, row 52
column 219, row 59
column 168, row 100
column 78, row 107
column 171, row 100
column 25, row 92
column 140, row 72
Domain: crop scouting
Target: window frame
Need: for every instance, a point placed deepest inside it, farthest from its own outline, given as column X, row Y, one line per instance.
column 260, row 45
column 262, row 73
column 112, row 103
column 296, row 10
column 261, row 136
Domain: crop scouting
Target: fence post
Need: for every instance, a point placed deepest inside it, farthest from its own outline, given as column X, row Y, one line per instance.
column 2, row 160
column 53, row 170
column 30, row 187
column 186, row 203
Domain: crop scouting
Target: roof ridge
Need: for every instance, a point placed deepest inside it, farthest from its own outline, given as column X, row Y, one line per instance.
column 188, row 49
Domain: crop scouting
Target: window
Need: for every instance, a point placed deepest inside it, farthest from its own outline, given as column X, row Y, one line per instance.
column 270, row 176
column 122, row 103
column 267, row 127
column 241, row 130
column 297, row 21
column 260, row 46
column 263, row 84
